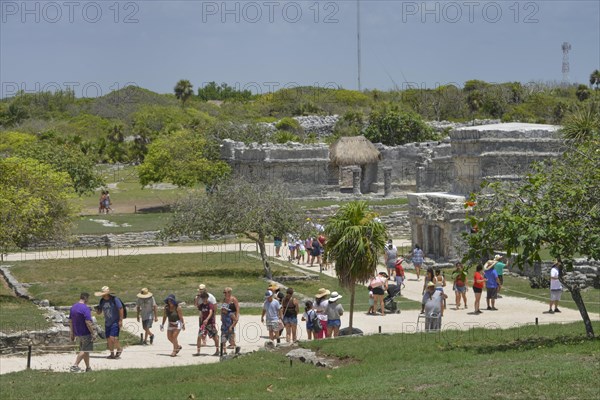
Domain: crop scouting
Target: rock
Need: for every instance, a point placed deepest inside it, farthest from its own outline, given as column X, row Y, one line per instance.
column 269, row 345
column 347, row 331
column 44, row 303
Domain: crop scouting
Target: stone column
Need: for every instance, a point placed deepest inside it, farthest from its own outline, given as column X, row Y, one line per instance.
column 356, row 171
column 387, row 181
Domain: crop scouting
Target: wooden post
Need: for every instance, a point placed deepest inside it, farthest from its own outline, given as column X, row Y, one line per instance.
column 141, row 338
column 29, row 357
column 536, row 321
column 379, row 328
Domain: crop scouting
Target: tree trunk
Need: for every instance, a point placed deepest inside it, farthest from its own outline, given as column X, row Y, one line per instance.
column 352, row 305
column 263, row 255
column 576, row 294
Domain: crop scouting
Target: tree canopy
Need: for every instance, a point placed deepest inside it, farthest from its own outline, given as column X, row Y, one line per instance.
column 184, row 158
column 255, row 210
column 34, row 203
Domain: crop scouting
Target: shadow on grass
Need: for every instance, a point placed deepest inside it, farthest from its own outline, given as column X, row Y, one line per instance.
column 525, row 344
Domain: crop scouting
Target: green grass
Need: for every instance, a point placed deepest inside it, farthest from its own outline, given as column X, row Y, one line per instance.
column 19, row 314
column 61, row 281
column 549, row 362
column 88, row 225
column 129, row 194
column 520, row 288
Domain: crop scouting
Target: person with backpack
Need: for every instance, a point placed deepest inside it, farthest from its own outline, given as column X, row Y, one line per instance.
column 114, row 312
column 313, row 325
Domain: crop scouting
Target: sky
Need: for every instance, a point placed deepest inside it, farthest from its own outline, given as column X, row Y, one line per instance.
column 98, row 46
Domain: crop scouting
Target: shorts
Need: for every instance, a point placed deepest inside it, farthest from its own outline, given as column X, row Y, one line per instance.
column 273, row 326
column 302, row 252
column 501, row 279
column 477, row 290
column 555, row 294
column 112, row 330
column 86, row 343
column 334, row 323
column 492, row 293
column 290, row 320
column 315, row 252
column 291, row 247
column 379, row 291
column 371, row 302
column 174, row 326
column 460, row 289
column 277, row 243
column 147, row 323
column 209, row 330
column 391, row 264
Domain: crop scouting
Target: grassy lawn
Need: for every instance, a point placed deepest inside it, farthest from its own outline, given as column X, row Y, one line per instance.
column 520, row 288
column 61, row 281
column 19, row 314
column 549, row 362
column 128, row 193
column 92, row 224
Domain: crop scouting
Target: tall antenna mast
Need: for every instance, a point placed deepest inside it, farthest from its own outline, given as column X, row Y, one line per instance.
column 566, row 47
column 358, row 40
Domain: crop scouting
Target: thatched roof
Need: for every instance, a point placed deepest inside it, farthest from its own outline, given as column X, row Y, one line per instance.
column 353, row 150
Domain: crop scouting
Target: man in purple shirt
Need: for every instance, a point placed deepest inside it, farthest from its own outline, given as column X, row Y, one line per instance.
column 81, row 326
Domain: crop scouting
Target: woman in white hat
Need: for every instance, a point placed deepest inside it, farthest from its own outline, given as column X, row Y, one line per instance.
column 334, row 311
column 321, row 304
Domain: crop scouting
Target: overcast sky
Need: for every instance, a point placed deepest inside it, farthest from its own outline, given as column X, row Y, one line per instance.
column 97, row 46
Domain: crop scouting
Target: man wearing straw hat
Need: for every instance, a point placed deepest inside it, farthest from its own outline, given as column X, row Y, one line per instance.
column 112, row 307
column 147, row 308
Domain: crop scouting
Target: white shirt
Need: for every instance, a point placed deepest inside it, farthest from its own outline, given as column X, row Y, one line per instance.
column 554, row 282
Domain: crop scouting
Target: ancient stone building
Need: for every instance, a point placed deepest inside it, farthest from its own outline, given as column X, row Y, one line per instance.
column 480, row 153
column 321, row 170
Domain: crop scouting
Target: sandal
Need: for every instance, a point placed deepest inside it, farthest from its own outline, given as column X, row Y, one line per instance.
column 178, row 350
column 119, row 352
column 231, row 346
column 174, row 354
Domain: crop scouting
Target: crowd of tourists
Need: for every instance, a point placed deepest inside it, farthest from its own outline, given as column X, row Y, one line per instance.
column 280, row 311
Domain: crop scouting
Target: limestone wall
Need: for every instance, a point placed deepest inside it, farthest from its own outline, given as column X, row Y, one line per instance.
column 304, row 167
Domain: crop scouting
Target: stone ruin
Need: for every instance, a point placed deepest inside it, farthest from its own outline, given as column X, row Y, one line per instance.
column 496, row 152
column 310, row 173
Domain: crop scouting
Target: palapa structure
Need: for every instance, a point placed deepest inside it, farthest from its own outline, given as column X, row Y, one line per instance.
column 359, row 155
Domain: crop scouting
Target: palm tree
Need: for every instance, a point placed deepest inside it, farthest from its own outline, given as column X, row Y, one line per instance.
column 355, row 238
column 595, row 78
column 582, row 92
column 183, row 91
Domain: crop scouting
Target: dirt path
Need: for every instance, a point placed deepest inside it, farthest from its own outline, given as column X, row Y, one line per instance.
column 252, row 334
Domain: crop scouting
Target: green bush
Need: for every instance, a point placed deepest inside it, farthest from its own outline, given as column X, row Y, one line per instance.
column 393, row 127
column 283, row 137
column 289, row 125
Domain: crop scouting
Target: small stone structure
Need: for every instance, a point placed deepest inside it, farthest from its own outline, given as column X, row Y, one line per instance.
column 480, row 153
column 320, row 170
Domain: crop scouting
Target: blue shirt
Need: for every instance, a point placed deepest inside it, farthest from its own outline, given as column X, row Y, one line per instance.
column 491, row 275
column 272, row 310
column 111, row 308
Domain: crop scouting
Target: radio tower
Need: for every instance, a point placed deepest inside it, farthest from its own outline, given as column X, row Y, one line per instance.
column 566, row 47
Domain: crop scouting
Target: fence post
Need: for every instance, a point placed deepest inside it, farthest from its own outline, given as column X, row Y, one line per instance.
column 29, row 357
